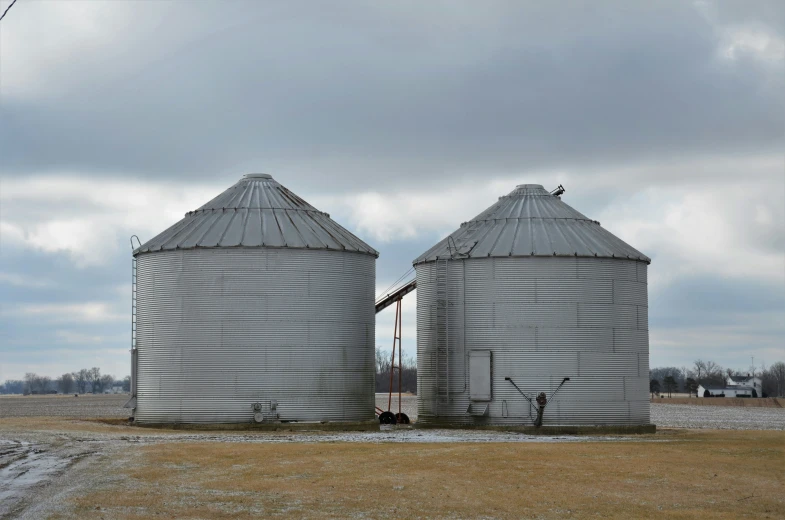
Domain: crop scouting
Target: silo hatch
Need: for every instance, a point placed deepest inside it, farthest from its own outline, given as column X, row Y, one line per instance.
column 480, row 375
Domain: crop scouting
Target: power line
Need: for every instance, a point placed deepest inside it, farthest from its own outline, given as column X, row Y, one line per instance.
column 386, row 291
column 7, row 9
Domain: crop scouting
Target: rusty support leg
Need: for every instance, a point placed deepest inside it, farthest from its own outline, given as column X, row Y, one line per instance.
column 400, row 417
column 399, row 320
column 396, row 337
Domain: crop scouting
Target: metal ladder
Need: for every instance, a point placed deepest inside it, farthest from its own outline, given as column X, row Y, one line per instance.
column 442, row 334
column 134, row 353
column 133, row 303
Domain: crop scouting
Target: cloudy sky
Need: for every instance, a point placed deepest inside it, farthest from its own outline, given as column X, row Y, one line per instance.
column 665, row 121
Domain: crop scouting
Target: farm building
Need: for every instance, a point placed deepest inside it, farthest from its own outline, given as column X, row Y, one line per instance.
column 532, row 297
column 727, row 391
column 254, row 307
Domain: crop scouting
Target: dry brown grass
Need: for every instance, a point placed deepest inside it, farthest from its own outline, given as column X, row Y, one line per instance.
column 71, row 424
column 690, row 474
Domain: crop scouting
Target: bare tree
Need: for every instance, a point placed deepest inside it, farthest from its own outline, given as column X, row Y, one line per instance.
column 409, row 362
column 700, row 369
column 709, row 372
column 408, row 372
column 777, row 370
column 13, row 386
column 94, row 376
column 81, row 378
column 382, row 361
column 670, row 384
column 713, row 369
column 106, row 382
column 44, row 382
column 31, row 380
column 66, row 383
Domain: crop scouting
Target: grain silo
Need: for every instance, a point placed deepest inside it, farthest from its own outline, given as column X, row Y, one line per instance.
column 526, row 294
column 254, row 307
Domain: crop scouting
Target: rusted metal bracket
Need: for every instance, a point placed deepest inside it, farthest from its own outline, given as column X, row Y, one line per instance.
column 541, row 399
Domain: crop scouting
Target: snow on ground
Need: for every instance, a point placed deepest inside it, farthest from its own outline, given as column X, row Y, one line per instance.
column 717, row 417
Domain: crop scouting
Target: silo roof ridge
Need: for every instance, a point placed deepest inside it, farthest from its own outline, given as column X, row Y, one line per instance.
column 313, row 210
column 530, row 221
column 518, row 218
column 257, row 211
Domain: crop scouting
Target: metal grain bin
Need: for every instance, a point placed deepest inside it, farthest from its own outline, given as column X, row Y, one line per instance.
column 256, row 306
column 530, row 292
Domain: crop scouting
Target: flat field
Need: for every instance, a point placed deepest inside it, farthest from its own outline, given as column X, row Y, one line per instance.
column 717, row 417
column 70, row 467
column 764, row 402
column 84, row 406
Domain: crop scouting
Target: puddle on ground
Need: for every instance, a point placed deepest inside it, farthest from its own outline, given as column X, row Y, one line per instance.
column 22, row 466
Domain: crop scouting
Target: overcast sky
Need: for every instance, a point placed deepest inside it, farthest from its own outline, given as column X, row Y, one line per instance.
column 665, row 121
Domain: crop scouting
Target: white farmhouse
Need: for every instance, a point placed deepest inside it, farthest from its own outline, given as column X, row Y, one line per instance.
column 748, row 381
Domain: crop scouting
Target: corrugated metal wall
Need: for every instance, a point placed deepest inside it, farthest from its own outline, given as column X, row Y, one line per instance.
column 544, row 319
column 220, row 329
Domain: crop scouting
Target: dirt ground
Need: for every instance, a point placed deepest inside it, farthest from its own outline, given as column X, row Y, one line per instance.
column 68, row 467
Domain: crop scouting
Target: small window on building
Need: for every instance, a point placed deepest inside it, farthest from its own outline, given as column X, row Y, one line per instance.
column 480, row 372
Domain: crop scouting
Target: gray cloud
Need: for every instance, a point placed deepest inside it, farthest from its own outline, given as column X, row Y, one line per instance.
column 665, row 121
column 359, row 91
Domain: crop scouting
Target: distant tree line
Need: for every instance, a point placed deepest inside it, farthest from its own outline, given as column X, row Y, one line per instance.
column 86, row 380
column 669, row 380
column 408, row 372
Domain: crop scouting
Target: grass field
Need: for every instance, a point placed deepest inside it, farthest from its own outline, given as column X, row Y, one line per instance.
column 78, row 466
column 674, row 474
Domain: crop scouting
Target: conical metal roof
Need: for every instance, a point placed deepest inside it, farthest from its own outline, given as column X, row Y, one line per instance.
column 257, row 212
column 531, row 222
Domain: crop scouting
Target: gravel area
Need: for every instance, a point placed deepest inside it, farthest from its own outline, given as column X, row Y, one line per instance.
column 717, row 417
column 408, row 404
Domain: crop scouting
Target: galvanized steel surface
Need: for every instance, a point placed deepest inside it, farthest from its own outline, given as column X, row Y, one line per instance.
column 543, row 319
column 257, row 212
column 531, row 222
column 221, row 329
